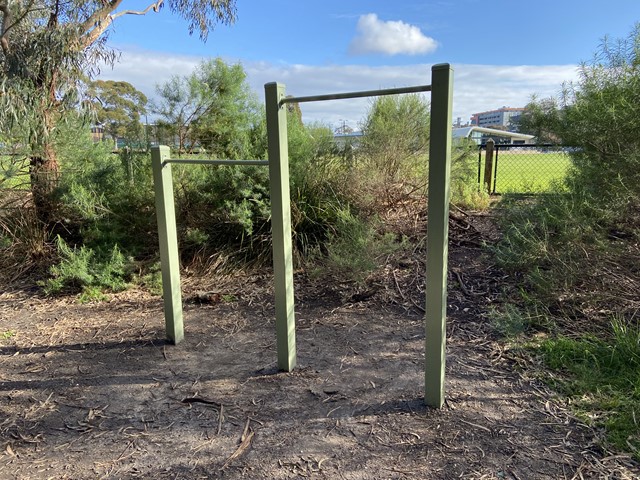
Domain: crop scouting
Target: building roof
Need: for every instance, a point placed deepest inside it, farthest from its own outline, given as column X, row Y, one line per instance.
column 503, row 109
column 465, row 132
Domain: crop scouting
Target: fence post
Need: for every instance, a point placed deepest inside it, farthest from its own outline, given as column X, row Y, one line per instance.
column 438, row 233
column 488, row 164
column 165, row 212
column 281, row 225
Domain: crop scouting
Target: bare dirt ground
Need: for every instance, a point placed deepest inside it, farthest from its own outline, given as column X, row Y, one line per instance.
column 93, row 391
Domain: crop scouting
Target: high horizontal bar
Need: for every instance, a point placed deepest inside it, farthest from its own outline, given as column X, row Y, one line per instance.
column 366, row 93
column 196, row 161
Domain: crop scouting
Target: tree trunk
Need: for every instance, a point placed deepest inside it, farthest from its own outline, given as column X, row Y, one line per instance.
column 44, row 172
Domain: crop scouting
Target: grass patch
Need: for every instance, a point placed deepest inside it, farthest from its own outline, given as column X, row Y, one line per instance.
column 512, row 320
column 528, row 171
column 7, row 334
column 573, row 277
column 602, row 380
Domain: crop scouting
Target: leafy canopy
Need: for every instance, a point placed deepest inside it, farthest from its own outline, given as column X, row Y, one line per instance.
column 46, row 46
column 118, row 107
column 212, row 107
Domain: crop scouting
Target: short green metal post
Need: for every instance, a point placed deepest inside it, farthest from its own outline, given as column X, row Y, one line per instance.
column 281, row 225
column 438, row 233
column 165, row 212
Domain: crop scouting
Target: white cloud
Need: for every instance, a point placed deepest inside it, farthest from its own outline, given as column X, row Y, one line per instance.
column 146, row 69
column 476, row 87
column 389, row 38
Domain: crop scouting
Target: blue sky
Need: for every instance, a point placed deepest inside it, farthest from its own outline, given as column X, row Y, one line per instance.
column 502, row 51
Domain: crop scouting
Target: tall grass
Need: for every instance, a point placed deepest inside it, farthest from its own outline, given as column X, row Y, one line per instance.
column 602, row 379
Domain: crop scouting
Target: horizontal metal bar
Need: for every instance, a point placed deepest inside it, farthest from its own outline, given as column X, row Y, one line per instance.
column 195, row 161
column 527, row 145
column 367, row 93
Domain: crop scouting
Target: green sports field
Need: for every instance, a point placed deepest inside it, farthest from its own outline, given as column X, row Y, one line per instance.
column 527, row 171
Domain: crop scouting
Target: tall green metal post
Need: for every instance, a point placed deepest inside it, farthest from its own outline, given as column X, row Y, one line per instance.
column 281, row 224
column 165, row 212
column 438, row 233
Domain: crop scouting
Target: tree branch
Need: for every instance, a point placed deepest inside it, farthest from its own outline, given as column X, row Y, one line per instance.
column 53, row 16
column 97, row 23
column 155, row 6
column 4, row 27
column 4, row 8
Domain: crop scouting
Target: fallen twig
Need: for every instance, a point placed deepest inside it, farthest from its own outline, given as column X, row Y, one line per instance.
column 244, row 445
column 200, row 400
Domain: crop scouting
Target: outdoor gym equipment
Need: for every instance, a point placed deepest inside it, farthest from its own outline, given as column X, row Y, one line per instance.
column 441, row 89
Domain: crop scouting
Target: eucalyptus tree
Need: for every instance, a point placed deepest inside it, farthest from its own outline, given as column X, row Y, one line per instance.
column 118, row 106
column 45, row 46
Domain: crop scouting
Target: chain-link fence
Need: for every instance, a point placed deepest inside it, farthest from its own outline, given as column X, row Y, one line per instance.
column 521, row 168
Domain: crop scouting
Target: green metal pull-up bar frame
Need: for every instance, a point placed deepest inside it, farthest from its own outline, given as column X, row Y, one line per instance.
column 278, row 164
column 441, row 89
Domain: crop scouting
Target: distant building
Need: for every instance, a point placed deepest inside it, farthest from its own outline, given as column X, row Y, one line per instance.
column 505, row 118
column 352, row 138
column 97, row 133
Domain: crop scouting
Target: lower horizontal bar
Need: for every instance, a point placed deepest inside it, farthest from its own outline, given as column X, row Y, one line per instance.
column 367, row 93
column 216, row 162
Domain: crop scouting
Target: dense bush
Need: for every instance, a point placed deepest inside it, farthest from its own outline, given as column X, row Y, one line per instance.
column 553, row 238
column 345, row 201
column 577, row 251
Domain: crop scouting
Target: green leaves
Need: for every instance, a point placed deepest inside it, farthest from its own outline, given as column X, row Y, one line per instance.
column 576, row 251
column 203, row 15
column 82, row 269
column 212, row 108
column 396, row 130
column 599, row 115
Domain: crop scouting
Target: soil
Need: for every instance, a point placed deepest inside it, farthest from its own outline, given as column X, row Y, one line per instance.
column 94, row 391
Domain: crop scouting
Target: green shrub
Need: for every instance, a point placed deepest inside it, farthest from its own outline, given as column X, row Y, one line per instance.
column 575, row 251
column 355, row 247
column 83, row 270
column 103, row 200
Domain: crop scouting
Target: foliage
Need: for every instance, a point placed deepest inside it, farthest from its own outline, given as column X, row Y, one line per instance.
column 104, row 202
column 394, row 129
column 87, row 271
column 222, row 205
column 317, row 184
column 464, row 187
column 212, row 108
column 5, row 335
column 395, row 145
column 45, row 49
column 553, row 238
column 231, row 112
column 223, row 212
column 539, row 118
column 598, row 115
column 576, row 251
column 178, row 106
column 355, row 247
column 601, row 376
